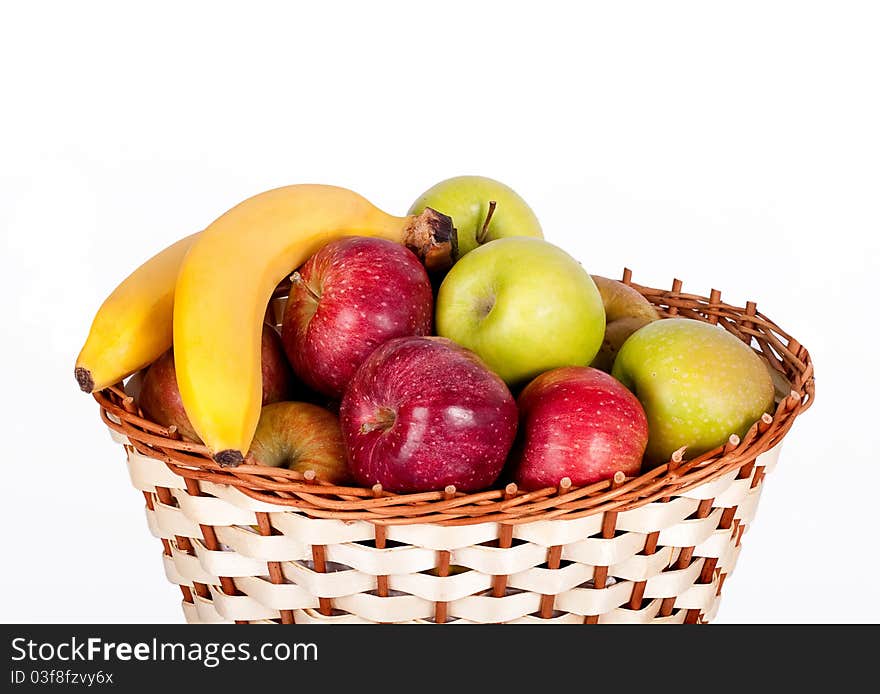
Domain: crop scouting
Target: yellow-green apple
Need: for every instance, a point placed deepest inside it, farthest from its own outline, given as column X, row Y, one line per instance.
column 423, row 413
column 482, row 209
column 577, row 422
column 159, row 396
column 698, row 384
column 626, row 310
column 347, row 299
column 524, row 306
column 302, row 437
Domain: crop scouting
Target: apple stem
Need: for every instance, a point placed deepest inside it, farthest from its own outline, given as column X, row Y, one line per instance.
column 384, row 420
column 297, row 278
column 481, row 236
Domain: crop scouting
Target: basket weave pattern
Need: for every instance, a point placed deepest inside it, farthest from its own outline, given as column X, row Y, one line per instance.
column 257, row 544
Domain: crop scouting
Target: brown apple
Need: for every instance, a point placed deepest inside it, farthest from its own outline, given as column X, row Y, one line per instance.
column 159, row 397
column 302, row 437
column 625, row 312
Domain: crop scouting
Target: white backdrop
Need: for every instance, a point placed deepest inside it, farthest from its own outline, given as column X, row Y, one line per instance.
column 734, row 146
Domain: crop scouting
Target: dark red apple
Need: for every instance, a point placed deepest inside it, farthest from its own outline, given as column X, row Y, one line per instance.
column 422, row 413
column 577, row 422
column 159, row 397
column 350, row 297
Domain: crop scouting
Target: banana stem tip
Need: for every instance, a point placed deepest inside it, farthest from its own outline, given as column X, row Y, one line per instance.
column 229, row 458
column 84, row 379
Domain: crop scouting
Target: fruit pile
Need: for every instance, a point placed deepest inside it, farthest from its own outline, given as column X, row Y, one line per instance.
column 451, row 346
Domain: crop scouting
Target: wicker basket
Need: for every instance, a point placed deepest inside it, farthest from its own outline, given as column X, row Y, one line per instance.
column 258, row 544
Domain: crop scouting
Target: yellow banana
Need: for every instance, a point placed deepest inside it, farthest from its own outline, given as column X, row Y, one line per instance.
column 133, row 326
column 228, row 277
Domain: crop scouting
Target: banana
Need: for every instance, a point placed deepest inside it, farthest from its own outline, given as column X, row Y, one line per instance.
column 133, row 325
column 228, row 277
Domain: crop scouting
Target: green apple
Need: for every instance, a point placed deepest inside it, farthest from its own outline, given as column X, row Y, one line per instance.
column 524, row 306
column 625, row 312
column 698, row 384
column 467, row 200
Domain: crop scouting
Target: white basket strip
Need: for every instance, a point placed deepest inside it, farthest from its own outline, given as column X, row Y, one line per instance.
column 656, row 515
column 117, row 437
column 441, row 537
column 321, row 531
column 717, row 545
column 675, row 618
column 189, row 567
column 674, row 582
column 698, row 597
column 395, row 608
column 382, row 562
column 332, row 584
column 153, row 523
column 227, row 562
column 594, row 601
column 745, row 512
column 558, row 532
column 190, row 613
column 171, row 521
column 498, row 561
column 552, row 581
column 641, row 567
column 148, row 473
column 690, row 532
column 441, row 588
column 281, row 596
column 238, row 498
column 204, row 611
column 712, row 610
column 240, row 607
column 728, row 563
column 710, row 490
column 267, row 548
column 208, row 510
column 621, row 615
column 314, row 617
column 485, row 609
column 735, row 494
column 171, row 572
column 604, row 552
column 769, row 458
column 564, row 618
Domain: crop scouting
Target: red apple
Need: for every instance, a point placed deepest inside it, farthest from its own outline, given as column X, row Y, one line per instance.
column 159, row 397
column 302, row 437
column 422, row 413
column 350, row 297
column 278, row 381
column 577, row 422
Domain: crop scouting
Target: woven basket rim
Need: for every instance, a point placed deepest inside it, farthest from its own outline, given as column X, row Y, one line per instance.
column 320, row 499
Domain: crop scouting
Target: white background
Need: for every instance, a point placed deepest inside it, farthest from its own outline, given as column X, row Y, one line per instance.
column 732, row 145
